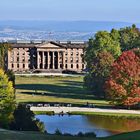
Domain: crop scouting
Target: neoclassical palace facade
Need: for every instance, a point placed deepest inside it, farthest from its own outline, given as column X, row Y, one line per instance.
column 46, row 56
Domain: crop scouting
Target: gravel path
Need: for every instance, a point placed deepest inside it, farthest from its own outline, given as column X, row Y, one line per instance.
column 49, row 74
column 81, row 109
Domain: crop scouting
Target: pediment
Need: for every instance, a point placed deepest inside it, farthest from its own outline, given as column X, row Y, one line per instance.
column 50, row 45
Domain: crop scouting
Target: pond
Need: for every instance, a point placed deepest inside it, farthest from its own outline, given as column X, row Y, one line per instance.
column 101, row 126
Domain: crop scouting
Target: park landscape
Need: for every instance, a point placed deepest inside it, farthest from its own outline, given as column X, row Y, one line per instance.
column 101, row 102
column 111, row 85
column 108, row 92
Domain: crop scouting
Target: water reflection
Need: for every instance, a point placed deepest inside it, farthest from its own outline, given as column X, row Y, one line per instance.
column 101, row 126
column 114, row 124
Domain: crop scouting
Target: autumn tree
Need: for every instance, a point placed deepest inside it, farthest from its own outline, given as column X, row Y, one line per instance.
column 123, row 85
column 7, row 100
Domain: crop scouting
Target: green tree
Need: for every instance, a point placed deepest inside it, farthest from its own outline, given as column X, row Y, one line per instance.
column 24, row 120
column 102, row 42
column 99, row 55
column 99, row 72
column 129, row 38
column 7, row 100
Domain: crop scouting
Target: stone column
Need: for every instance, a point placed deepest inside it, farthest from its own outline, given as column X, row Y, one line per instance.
column 38, row 63
column 58, row 60
column 52, row 60
column 48, row 61
column 43, row 60
column 63, row 59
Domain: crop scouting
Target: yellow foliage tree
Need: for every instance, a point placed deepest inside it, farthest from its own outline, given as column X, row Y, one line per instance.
column 7, row 100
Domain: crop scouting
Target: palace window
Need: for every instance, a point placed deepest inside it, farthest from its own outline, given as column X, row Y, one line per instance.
column 71, row 53
column 17, row 59
column 23, row 65
column 61, row 66
column 77, row 66
column 66, row 60
column 71, row 60
column 12, row 65
column 77, row 53
column 72, row 66
column 77, row 60
column 66, row 66
column 17, row 65
column 23, row 59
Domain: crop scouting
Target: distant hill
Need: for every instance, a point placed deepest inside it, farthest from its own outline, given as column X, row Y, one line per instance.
column 64, row 26
column 55, row 30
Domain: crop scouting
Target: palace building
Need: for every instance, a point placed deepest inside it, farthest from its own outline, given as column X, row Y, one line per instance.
column 29, row 56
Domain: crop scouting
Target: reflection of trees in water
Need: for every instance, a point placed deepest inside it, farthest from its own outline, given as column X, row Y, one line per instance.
column 114, row 123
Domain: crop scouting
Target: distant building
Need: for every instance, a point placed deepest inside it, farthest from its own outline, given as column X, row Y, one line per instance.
column 46, row 56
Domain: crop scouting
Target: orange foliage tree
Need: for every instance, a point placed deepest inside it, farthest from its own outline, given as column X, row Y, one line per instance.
column 123, row 85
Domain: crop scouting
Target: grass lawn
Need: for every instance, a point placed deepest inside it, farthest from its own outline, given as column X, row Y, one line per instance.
column 13, row 135
column 105, row 114
column 54, row 89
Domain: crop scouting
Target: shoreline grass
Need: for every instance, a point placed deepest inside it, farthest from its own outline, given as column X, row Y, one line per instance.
column 106, row 114
column 100, row 114
column 44, row 112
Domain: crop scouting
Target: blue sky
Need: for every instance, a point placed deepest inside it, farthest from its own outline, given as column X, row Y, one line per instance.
column 96, row 10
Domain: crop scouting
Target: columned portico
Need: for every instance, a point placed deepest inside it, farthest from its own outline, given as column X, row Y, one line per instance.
column 49, row 60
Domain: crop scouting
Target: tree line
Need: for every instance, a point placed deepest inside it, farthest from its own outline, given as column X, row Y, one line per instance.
column 113, row 65
column 12, row 115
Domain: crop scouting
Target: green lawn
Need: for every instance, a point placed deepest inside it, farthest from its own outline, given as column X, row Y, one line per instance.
column 54, row 89
column 14, row 135
column 105, row 114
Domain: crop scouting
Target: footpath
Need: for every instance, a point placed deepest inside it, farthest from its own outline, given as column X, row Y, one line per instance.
column 65, row 110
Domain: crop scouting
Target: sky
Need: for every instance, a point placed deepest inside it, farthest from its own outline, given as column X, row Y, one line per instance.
column 65, row 10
